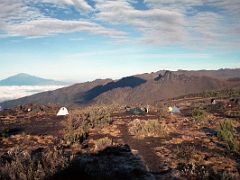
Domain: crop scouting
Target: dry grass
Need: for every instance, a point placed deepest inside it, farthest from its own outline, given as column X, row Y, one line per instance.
column 24, row 165
column 185, row 152
column 226, row 134
column 149, row 128
column 102, row 143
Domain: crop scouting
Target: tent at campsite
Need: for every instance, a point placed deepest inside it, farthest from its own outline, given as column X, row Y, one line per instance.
column 173, row 109
column 62, row 112
column 213, row 101
column 136, row 111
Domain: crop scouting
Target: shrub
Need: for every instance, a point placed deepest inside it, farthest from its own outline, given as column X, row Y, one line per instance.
column 99, row 117
column 5, row 133
column 95, row 116
column 185, row 152
column 74, row 131
column 193, row 170
column 150, row 128
column 200, row 171
column 198, row 115
column 102, row 143
column 80, row 121
column 226, row 134
column 20, row 164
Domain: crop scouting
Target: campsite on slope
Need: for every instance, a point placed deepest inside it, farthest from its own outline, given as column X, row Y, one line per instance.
column 178, row 138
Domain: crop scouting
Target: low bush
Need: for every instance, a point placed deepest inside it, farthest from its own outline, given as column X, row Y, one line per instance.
column 99, row 117
column 79, row 122
column 75, row 130
column 226, row 134
column 95, row 116
column 102, row 143
column 185, row 152
column 24, row 165
column 5, row 133
column 198, row 115
column 193, row 170
column 149, row 128
column 201, row 171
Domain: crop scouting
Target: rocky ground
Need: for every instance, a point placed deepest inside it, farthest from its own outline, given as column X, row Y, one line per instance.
column 184, row 147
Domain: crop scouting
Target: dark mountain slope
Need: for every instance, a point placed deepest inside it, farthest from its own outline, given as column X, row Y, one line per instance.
column 131, row 82
column 168, row 86
column 63, row 96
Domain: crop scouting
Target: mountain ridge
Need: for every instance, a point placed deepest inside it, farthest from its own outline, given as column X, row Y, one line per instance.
column 138, row 89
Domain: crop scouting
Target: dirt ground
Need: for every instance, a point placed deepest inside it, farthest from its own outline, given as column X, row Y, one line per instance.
column 188, row 150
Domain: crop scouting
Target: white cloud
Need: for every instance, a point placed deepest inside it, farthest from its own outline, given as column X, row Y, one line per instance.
column 19, row 19
column 177, row 5
column 16, row 11
column 159, row 25
column 163, row 22
column 81, row 5
column 49, row 26
column 14, row 92
column 168, row 22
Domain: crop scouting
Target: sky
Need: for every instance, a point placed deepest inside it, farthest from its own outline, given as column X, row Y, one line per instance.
column 81, row 40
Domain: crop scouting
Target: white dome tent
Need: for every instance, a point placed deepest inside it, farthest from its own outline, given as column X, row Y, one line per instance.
column 62, row 111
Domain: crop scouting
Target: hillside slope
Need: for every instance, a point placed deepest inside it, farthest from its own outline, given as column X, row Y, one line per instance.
column 64, row 96
column 166, row 86
column 139, row 89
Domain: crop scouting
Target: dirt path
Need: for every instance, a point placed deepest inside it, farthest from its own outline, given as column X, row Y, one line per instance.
column 145, row 149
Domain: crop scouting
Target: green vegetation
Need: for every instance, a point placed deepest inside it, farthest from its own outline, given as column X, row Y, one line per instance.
column 226, row 134
column 5, row 132
column 98, row 117
column 150, row 128
column 74, row 132
column 198, row 115
column 80, row 121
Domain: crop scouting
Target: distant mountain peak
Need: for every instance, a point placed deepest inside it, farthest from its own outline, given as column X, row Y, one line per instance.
column 23, row 75
column 23, row 79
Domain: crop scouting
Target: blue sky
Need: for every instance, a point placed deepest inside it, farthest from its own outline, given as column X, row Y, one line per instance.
column 79, row 40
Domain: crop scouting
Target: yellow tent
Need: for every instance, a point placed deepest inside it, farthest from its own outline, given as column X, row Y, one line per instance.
column 170, row 109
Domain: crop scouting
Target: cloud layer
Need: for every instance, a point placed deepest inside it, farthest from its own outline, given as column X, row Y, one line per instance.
column 14, row 92
column 172, row 22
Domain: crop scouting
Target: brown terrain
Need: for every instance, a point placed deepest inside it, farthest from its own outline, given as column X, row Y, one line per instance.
column 138, row 89
column 201, row 142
